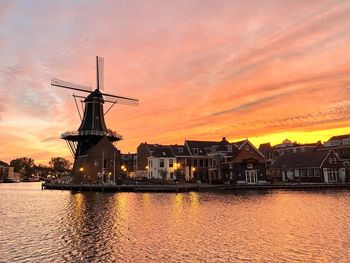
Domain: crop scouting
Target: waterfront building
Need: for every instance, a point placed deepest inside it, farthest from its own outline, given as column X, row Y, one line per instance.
column 288, row 146
column 162, row 163
column 128, row 163
column 308, row 167
column 340, row 144
column 184, row 172
column 199, row 161
column 244, row 164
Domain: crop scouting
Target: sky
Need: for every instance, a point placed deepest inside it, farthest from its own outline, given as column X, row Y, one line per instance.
column 202, row 70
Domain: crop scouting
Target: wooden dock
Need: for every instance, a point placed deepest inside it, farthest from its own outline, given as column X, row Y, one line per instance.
column 180, row 188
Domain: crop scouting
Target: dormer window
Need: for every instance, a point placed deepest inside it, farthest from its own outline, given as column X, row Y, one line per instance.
column 195, row 151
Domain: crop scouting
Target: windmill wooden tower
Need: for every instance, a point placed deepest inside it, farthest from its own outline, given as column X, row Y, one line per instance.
column 96, row 159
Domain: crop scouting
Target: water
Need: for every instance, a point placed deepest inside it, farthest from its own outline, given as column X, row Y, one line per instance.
column 279, row 226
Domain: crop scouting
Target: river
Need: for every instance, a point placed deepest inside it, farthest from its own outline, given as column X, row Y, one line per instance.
column 276, row 226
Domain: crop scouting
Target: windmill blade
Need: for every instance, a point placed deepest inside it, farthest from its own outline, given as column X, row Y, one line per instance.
column 69, row 85
column 100, row 72
column 116, row 101
column 132, row 101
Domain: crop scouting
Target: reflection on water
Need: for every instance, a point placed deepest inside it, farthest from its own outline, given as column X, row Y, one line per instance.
column 281, row 226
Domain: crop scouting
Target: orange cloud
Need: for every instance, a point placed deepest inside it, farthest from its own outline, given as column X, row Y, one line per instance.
column 201, row 71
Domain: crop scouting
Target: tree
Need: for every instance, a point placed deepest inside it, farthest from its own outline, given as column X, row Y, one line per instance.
column 60, row 164
column 23, row 165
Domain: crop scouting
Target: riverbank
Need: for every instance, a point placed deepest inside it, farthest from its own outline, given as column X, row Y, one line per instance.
column 180, row 188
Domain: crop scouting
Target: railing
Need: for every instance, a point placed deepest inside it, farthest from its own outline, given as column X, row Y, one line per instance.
column 108, row 133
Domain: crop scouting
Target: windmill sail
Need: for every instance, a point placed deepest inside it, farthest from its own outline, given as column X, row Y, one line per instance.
column 100, row 73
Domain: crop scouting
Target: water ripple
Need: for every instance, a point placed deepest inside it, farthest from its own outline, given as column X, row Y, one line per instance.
column 279, row 226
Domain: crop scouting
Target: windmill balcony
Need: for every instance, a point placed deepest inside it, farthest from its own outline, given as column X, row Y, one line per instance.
column 76, row 134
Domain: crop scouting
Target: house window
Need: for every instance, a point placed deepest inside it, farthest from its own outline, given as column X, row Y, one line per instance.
column 249, row 165
column 317, row 172
column 310, row 172
column 161, row 162
column 247, row 148
column 171, row 162
column 104, row 163
column 214, row 162
column 195, row 151
column 180, row 150
column 335, row 160
column 303, row 172
column 200, row 163
column 206, row 163
column 171, row 175
column 330, row 160
column 195, row 163
column 207, row 150
column 229, row 148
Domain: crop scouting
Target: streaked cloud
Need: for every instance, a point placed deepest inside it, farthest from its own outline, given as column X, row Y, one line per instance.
column 201, row 69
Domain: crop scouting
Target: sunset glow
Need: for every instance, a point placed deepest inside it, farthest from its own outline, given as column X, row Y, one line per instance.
column 264, row 70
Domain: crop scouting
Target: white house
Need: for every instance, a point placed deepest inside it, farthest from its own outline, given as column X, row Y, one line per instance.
column 162, row 163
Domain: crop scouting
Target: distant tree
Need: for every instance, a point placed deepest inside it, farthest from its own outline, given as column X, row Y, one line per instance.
column 23, row 165
column 163, row 173
column 60, row 164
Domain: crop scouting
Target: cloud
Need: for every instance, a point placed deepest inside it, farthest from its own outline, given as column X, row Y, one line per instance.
column 200, row 69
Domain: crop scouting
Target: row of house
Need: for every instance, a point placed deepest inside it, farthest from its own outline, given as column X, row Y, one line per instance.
column 207, row 161
column 242, row 163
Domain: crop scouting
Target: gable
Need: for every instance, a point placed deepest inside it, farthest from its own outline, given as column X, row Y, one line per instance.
column 332, row 160
column 248, row 152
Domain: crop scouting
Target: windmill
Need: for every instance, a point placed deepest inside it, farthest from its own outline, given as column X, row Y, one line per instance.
column 93, row 144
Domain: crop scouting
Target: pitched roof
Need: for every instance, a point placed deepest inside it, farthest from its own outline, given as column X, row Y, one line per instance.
column 179, row 150
column 265, row 147
column 222, row 144
column 161, row 150
column 200, row 145
column 339, row 137
column 300, row 160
